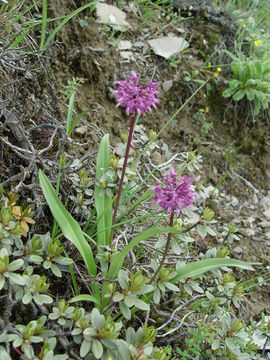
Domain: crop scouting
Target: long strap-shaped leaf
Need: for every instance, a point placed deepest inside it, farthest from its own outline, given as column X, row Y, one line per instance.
column 103, row 202
column 69, row 226
column 118, row 259
column 199, row 267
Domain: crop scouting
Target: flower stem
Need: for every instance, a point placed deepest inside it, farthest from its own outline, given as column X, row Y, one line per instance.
column 131, row 128
column 165, row 251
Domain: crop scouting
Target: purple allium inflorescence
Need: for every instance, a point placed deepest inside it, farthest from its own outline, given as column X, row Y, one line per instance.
column 174, row 195
column 136, row 98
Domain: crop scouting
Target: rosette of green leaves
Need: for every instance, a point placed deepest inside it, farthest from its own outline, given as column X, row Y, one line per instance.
column 28, row 335
column 8, row 270
column 53, row 250
column 34, row 289
column 162, row 282
column 63, row 313
column 47, row 351
column 32, row 251
column 98, row 334
column 141, row 341
column 10, row 228
column 207, row 219
column 230, row 233
column 132, row 287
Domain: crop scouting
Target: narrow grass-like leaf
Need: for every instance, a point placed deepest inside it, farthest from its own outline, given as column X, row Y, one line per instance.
column 67, row 19
column 19, row 39
column 69, row 226
column 197, row 268
column 70, row 112
column 103, row 202
column 43, row 24
column 118, row 259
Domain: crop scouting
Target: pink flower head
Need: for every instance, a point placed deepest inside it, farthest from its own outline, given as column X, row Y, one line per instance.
column 136, row 98
column 175, row 195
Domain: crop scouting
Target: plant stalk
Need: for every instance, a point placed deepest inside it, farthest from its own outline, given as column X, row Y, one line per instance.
column 131, row 128
column 165, row 251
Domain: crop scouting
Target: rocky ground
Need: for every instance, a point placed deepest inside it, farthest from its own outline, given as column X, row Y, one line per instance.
column 235, row 167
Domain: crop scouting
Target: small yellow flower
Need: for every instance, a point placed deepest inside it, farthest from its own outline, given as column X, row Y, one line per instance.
column 207, row 109
column 219, row 69
column 258, row 42
column 215, row 74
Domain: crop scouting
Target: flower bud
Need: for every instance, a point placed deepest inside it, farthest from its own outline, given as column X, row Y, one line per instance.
column 152, row 135
column 222, row 252
column 124, row 136
column 208, row 214
column 63, row 159
column 80, row 199
column 113, row 162
column 237, row 326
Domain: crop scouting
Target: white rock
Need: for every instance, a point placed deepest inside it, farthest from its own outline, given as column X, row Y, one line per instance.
column 167, row 46
column 238, row 250
column 234, row 201
column 267, row 234
column 247, row 232
column 112, row 16
column 127, row 55
column 265, row 202
column 119, row 149
column 264, row 224
column 124, row 45
column 167, row 85
column 267, row 214
column 81, row 130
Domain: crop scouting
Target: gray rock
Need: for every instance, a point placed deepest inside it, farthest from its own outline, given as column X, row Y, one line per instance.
column 238, row 250
column 167, row 85
column 266, row 213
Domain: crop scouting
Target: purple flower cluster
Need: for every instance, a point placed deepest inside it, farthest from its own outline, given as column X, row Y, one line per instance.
column 175, row 195
column 136, row 98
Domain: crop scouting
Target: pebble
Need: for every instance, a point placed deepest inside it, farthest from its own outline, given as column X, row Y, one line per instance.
column 167, row 85
column 264, row 224
column 267, row 235
column 124, row 45
column 247, row 232
column 238, row 250
column 235, row 201
column 267, row 214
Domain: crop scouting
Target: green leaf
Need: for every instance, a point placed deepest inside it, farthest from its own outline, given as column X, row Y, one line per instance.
column 239, row 95
column 69, row 114
column 103, row 203
column 16, row 279
column 123, row 279
column 84, row 297
column 56, row 271
column 197, row 268
column 69, row 226
column 27, row 298
column 62, row 260
column 97, row 349
column 85, row 348
column 15, row 265
column 118, row 259
column 125, row 311
column 141, row 305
